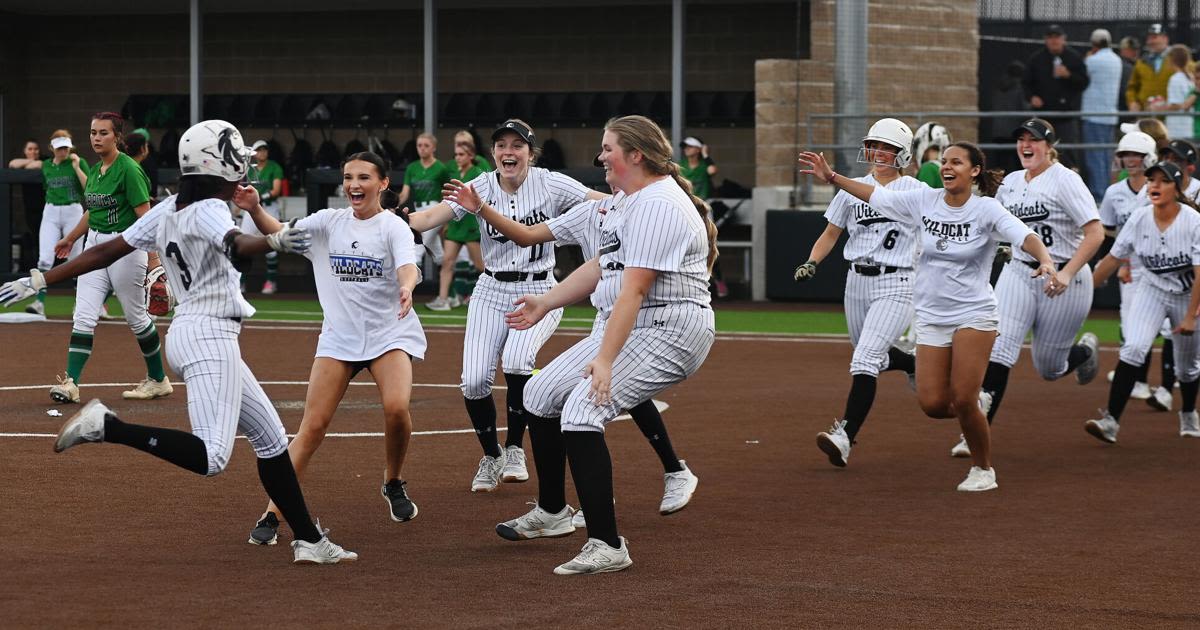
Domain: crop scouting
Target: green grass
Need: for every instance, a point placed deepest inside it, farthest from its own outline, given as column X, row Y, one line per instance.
column 741, row 319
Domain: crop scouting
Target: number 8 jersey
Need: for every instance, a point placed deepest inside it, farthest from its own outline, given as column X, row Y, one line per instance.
column 874, row 239
column 1166, row 256
column 1055, row 205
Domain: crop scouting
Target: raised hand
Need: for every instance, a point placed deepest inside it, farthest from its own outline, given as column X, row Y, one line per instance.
column 462, row 194
column 290, row 239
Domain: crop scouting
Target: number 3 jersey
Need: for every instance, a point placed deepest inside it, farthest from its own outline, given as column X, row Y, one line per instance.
column 1166, row 257
column 191, row 245
column 873, row 239
column 1055, row 205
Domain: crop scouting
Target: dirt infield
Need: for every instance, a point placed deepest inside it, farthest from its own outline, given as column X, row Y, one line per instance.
column 1079, row 534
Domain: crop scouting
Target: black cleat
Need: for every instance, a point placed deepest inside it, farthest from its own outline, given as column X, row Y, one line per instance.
column 400, row 506
column 266, row 530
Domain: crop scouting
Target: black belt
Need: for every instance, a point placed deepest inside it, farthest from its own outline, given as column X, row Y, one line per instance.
column 236, row 319
column 873, row 270
column 517, row 276
column 1034, row 265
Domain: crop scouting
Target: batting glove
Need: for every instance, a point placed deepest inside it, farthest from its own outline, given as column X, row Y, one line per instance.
column 22, row 289
column 805, row 271
column 1004, row 253
column 290, row 239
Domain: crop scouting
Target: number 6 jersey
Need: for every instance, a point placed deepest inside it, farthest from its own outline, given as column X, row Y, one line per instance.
column 873, row 239
column 1166, row 257
column 1055, row 205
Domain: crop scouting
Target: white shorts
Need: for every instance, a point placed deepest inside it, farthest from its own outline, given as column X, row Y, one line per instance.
column 942, row 335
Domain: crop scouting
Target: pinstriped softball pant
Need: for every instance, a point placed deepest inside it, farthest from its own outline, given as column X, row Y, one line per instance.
column 1023, row 305
column 1149, row 307
column 667, row 345
column 878, row 310
column 489, row 338
column 223, row 395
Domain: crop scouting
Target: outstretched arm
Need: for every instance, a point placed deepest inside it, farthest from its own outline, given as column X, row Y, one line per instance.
column 814, row 164
column 532, row 308
column 524, row 235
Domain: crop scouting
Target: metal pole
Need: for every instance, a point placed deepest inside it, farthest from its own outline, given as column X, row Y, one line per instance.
column 196, row 98
column 850, row 74
column 677, row 94
column 431, row 67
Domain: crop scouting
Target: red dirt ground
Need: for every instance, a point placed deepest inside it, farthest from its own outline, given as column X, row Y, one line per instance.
column 1079, row 533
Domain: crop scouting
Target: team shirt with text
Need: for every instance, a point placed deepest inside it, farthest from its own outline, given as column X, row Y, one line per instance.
column 873, row 239
column 110, row 197
column 1167, row 257
column 62, row 185
column 1055, row 205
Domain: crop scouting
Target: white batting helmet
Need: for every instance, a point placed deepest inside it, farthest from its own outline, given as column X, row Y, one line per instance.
column 930, row 134
column 1139, row 142
column 894, row 133
column 214, row 147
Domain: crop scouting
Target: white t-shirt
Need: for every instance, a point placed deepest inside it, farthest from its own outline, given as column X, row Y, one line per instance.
column 873, row 239
column 543, row 195
column 1055, row 205
column 355, row 262
column 655, row 228
column 957, row 247
column 1166, row 257
column 583, row 224
column 191, row 245
column 1119, row 202
column 1179, row 87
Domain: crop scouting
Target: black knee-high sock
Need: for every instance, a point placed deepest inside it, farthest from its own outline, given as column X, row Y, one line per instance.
column 279, row 480
column 651, row 423
column 178, row 447
column 1077, row 355
column 516, row 408
column 900, row 360
column 858, row 403
column 1144, row 369
column 1168, row 364
column 1122, row 385
column 995, row 381
column 483, row 418
column 591, row 467
column 1187, row 391
column 550, row 460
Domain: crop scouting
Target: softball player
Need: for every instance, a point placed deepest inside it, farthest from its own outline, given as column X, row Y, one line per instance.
column 956, row 311
column 528, row 195
column 64, row 177
column 365, row 267
column 1056, row 204
column 583, row 226
column 459, row 233
column 1135, row 153
column 650, row 284
column 423, row 182
column 116, row 194
column 266, row 176
column 1165, row 240
column 196, row 234
column 881, row 252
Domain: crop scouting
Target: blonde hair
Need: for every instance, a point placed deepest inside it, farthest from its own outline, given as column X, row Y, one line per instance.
column 62, row 133
column 1154, row 128
column 638, row 133
column 428, row 136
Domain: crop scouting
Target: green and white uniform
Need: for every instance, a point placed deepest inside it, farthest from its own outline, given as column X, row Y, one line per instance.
column 425, row 190
column 64, row 196
column 466, row 229
column 110, row 199
column 701, row 181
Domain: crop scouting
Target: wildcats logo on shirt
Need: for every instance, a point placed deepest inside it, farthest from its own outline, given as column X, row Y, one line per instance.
column 355, row 268
column 865, row 215
column 1031, row 213
column 1164, row 263
column 495, row 235
column 960, row 232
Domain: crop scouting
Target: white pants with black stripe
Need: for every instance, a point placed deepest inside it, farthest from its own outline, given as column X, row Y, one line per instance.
column 223, row 396
column 667, row 345
column 1023, row 305
column 1149, row 307
column 878, row 310
column 126, row 278
column 57, row 222
column 489, row 338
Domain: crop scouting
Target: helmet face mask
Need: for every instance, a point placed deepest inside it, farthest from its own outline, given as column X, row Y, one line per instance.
column 878, row 153
column 216, row 148
column 892, row 133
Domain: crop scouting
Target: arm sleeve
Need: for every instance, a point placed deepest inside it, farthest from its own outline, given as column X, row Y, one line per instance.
column 137, row 186
column 656, row 236
column 314, row 223
column 1078, row 200
column 1123, row 246
column 903, row 206
column 483, row 187
column 401, row 240
column 1006, row 227
column 213, row 223
column 565, row 191
column 1108, row 214
column 838, row 211
column 143, row 234
column 1196, row 244
column 568, row 228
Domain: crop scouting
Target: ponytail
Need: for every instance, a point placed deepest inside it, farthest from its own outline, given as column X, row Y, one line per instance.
column 1187, row 201
column 705, row 213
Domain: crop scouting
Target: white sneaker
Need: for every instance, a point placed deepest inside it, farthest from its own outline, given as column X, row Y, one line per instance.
column 323, row 551
column 906, row 344
column 835, row 443
column 979, row 480
column 597, row 557
column 66, row 391
column 1189, row 424
column 985, row 402
column 961, row 449
column 538, row 523
column 488, row 476
column 37, row 308
column 268, row 288
column 438, row 304
column 1141, row 391
column 1162, row 399
column 578, row 520
column 678, row 488
column 85, row 426
column 1111, row 375
column 455, row 302
column 1086, row 371
column 514, row 470
column 1104, row 429
column 149, row 389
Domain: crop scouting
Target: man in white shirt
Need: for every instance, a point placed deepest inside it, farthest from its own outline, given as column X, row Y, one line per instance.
column 1101, row 95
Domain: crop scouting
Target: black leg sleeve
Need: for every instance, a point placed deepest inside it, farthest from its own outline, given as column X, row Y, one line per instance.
column 591, row 467
column 1122, row 385
column 858, row 403
column 900, row 360
column 279, row 480
column 178, row 447
column 1187, row 391
column 648, row 419
column 516, row 408
column 1168, row 364
column 995, row 381
column 550, row 459
column 483, row 418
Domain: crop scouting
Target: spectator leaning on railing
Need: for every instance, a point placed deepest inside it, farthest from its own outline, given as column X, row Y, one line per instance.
column 1054, row 80
column 1101, row 95
column 1151, row 73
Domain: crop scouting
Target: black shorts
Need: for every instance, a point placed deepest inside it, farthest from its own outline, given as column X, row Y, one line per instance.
column 359, row 366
